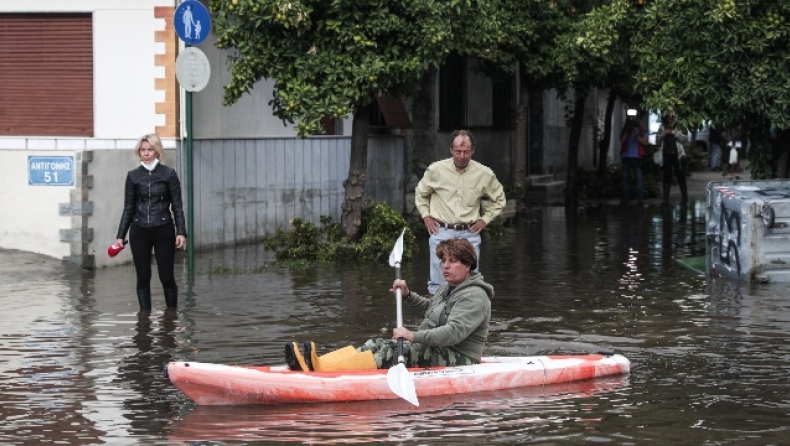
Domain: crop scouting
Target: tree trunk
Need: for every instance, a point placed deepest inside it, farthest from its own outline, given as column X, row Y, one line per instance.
column 351, row 218
column 577, row 119
column 519, row 155
column 606, row 141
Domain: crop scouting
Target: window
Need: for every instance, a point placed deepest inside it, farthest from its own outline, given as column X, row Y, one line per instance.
column 503, row 103
column 452, row 93
column 468, row 98
column 46, row 74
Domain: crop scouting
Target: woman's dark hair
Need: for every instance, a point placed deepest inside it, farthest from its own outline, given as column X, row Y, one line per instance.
column 665, row 119
column 461, row 249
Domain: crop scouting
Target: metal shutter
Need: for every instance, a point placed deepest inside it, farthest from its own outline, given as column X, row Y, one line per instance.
column 46, row 74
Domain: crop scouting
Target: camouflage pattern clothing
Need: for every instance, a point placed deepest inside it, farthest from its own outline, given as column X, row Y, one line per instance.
column 453, row 331
column 385, row 352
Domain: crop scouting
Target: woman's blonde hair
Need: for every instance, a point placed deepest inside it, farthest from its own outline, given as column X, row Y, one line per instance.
column 155, row 142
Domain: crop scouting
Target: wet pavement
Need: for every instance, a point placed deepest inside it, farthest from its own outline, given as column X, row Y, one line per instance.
column 78, row 366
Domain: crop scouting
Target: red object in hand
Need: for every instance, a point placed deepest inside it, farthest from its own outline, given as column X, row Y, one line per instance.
column 113, row 250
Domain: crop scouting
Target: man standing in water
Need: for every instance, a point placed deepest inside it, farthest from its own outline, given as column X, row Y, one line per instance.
column 448, row 199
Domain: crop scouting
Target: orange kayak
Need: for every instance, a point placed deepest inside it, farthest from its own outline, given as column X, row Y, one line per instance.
column 217, row 384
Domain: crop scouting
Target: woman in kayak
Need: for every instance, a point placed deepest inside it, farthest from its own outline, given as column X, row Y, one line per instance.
column 453, row 332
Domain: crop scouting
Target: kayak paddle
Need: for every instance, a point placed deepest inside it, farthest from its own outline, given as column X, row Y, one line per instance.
column 399, row 379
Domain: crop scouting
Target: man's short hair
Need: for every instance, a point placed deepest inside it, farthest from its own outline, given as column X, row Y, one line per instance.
column 462, row 132
column 461, row 249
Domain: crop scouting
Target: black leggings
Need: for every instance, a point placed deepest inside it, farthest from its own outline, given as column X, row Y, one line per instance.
column 163, row 240
column 673, row 164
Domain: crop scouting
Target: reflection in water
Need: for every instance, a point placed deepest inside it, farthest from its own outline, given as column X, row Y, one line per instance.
column 154, row 342
column 636, row 244
column 79, row 366
column 506, row 414
column 43, row 381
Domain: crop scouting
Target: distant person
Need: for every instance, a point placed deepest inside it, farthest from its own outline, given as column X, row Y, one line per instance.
column 633, row 139
column 670, row 140
column 736, row 139
column 733, row 167
column 448, row 199
column 715, row 141
column 154, row 216
column 453, row 332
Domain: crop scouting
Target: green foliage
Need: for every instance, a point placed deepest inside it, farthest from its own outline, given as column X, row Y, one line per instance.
column 716, row 60
column 596, row 48
column 381, row 227
column 511, row 32
column 329, row 57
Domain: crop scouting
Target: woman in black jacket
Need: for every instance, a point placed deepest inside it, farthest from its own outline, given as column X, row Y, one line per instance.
column 152, row 199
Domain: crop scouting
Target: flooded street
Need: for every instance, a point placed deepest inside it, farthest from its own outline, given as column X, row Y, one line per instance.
column 709, row 358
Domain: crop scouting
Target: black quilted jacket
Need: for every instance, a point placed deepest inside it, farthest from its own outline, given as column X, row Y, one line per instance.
column 149, row 198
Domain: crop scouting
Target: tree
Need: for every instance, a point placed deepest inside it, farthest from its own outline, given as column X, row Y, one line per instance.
column 722, row 61
column 568, row 45
column 330, row 58
column 584, row 52
column 520, row 37
column 606, row 34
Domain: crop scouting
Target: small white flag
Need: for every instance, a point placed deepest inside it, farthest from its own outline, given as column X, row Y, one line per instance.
column 397, row 251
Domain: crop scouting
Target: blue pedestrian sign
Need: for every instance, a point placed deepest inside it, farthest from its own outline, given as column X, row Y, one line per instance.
column 192, row 22
column 50, row 170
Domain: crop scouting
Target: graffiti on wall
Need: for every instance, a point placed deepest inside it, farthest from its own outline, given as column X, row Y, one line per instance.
column 773, row 193
column 729, row 238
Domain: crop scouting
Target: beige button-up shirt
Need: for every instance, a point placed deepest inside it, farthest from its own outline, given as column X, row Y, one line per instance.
column 454, row 197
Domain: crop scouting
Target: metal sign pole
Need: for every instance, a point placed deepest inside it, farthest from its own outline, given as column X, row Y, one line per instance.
column 190, row 194
column 192, row 23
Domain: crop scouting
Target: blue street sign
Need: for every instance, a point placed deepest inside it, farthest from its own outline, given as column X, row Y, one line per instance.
column 50, row 170
column 192, row 22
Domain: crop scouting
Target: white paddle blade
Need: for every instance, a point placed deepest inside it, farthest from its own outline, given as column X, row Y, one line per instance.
column 397, row 251
column 402, row 383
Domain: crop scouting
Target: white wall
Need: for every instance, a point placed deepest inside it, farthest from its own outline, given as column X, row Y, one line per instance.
column 125, row 108
column 124, row 63
column 29, row 218
column 124, row 88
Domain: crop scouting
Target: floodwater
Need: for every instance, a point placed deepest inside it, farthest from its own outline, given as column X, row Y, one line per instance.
column 709, row 357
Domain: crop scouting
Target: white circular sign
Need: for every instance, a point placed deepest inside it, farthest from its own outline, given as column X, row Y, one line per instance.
column 192, row 69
